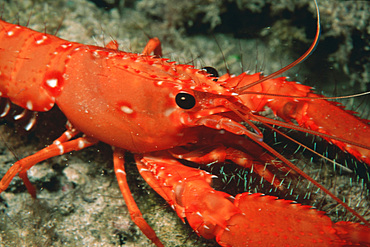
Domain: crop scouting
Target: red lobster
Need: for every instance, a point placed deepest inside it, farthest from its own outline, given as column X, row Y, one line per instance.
column 107, row 95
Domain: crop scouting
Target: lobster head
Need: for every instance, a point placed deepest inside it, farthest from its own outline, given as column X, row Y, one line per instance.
column 145, row 104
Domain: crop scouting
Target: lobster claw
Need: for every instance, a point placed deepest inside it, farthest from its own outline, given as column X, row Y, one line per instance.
column 327, row 119
column 248, row 219
column 289, row 223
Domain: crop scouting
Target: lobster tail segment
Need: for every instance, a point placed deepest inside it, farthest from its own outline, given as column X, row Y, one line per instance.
column 32, row 66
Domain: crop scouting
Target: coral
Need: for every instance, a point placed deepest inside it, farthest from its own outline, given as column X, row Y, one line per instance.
column 344, row 40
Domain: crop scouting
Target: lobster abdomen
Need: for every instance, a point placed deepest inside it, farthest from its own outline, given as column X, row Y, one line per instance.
column 32, row 66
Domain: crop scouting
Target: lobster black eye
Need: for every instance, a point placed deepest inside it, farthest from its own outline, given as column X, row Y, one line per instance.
column 210, row 70
column 185, row 100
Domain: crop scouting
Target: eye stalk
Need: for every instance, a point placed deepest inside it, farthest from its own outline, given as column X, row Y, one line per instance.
column 185, row 100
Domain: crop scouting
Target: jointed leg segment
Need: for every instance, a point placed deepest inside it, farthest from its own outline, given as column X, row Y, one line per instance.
column 60, row 146
column 136, row 216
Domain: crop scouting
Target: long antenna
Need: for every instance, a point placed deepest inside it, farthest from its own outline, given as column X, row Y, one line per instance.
column 310, row 50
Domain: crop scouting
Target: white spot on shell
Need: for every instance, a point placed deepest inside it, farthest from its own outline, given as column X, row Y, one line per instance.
column 121, row 171
column 65, row 46
column 68, row 135
column 52, row 82
column 169, row 111
column 30, row 124
column 40, row 41
column 6, row 110
column 144, row 170
column 127, row 109
column 61, row 148
column 199, row 214
column 96, row 54
column 10, row 33
column 19, row 116
column 29, row 105
column 81, row 144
